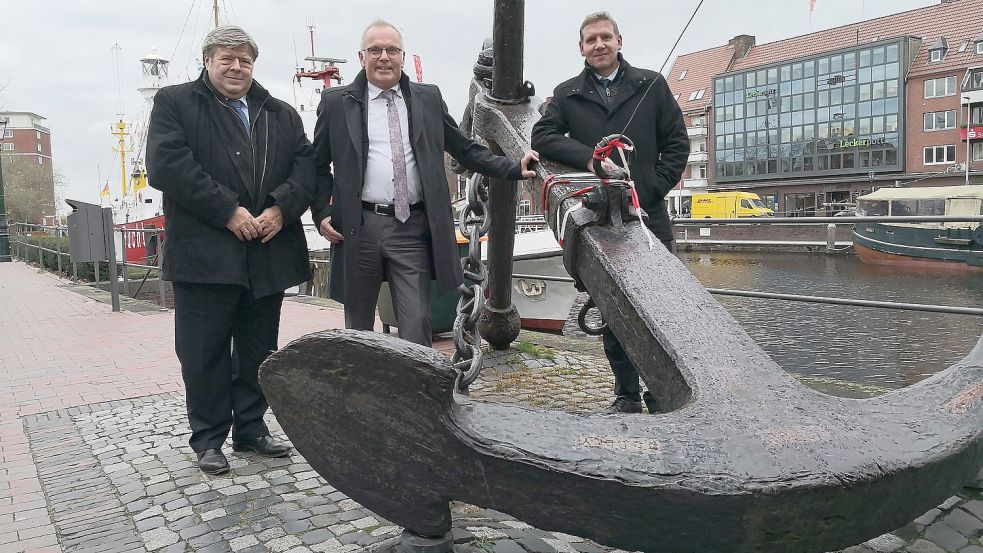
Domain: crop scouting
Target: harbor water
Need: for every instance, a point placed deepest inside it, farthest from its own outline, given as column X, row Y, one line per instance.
column 883, row 348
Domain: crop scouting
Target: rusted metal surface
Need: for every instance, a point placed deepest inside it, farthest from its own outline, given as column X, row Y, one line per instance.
column 764, row 462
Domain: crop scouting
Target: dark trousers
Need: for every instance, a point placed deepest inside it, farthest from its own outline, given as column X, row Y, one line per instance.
column 625, row 373
column 221, row 335
column 401, row 254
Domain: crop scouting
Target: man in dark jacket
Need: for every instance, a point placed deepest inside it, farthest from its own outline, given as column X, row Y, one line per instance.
column 382, row 196
column 605, row 98
column 237, row 172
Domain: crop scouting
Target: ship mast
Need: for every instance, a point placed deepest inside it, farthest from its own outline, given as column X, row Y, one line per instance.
column 215, row 11
column 328, row 71
column 121, row 133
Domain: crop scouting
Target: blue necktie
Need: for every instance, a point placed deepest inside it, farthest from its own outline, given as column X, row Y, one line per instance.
column 606, row 83
column 240, row 108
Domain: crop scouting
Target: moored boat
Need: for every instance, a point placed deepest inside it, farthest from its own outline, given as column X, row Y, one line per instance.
column 948, row 246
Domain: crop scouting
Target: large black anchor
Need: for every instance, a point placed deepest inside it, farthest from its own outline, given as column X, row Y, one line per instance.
column 743, row 449
column 743, row 459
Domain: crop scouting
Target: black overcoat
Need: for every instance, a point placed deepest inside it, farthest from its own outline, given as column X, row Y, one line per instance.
column 341, row 143
column 657, row 130
column 200, row 156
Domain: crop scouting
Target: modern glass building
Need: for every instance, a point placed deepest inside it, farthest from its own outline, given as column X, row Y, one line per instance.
column 837, row 113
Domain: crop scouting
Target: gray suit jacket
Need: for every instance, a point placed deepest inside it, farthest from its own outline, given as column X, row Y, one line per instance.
column 341, row 145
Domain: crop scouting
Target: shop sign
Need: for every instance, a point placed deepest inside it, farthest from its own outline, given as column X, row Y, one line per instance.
column 761, row 93
column 975, row 133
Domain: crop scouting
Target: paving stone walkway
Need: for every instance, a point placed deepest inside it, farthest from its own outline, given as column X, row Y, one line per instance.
column 93, row 444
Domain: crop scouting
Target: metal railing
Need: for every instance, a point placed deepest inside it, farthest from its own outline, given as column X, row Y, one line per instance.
column 319, row 282
column 19, row 247
column 830, row 243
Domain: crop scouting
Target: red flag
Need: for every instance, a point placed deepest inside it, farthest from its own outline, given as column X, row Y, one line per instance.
column 419, row 66
column 812, row 5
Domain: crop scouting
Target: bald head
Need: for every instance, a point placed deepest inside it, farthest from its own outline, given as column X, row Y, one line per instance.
column 380, row 24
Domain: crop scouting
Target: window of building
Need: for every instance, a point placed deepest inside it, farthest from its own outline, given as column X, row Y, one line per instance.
column 978, row 151
column 8, row 146
column 935, row 155
column 937, row 55
column 943, row 86
column 697, row 94
column 682, row 75
column 940, row 120
column 8, row 133
column 39, row 148
column 676, row 96
column 522, row 209
column 38, row 133
column 699, row 121
column 979, row 47
column 976, row 116
column 701, row 170
column 40, row 160
column 697, row 146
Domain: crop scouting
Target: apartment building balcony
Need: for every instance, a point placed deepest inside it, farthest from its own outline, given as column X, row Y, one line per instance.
column 695, row 183
column 698, row 157
column 696, row 132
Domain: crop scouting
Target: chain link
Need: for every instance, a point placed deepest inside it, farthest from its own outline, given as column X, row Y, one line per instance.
column 474, row 224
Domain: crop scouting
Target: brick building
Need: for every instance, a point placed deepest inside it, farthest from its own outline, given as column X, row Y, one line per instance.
column 813, row 121
column 25, row 137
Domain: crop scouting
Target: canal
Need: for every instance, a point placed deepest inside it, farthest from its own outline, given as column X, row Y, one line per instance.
column 883, row 348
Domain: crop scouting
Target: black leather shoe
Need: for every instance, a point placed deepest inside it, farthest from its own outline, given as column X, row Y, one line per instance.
column 624, row 404
column 264, row 445
column 213, row 461
column 650, row 403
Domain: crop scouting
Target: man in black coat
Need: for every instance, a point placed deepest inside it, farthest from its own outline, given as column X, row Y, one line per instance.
column 608, row 95
column 382, row 197
column 237, row 172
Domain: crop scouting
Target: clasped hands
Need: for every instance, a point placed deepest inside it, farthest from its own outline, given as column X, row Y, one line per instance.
column 246, row 227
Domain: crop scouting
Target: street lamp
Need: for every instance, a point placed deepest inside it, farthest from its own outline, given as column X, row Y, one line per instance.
column 968, row 113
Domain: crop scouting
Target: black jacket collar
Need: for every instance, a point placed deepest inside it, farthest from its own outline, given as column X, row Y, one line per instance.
column 359, row 85
column 589, row 73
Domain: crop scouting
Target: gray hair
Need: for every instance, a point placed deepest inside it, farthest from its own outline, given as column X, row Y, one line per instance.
column 227, row 36
column 596, row 17
column 381, row 23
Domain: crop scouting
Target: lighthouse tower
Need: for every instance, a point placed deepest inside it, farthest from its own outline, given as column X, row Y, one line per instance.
column 155, row 68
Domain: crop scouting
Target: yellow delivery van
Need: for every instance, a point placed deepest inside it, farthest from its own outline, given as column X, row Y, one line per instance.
column 728, row 205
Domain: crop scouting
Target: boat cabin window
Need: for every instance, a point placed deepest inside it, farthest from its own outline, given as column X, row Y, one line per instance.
column 931, row 207
column 872, row 207
column 904, row 207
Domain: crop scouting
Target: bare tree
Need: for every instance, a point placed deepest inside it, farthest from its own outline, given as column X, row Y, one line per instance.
column 28, row 189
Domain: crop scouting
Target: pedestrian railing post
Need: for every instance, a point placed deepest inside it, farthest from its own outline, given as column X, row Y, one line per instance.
column 95, row 266
column 59, row 257
column 126, row 276
column 830, row 239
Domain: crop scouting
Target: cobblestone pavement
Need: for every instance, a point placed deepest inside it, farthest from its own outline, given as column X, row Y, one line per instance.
column 93, row 441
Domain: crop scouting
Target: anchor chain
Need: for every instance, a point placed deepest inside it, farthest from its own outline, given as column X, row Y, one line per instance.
column 474, row 223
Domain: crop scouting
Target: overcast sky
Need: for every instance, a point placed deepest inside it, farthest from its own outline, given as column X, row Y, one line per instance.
column 56, row 57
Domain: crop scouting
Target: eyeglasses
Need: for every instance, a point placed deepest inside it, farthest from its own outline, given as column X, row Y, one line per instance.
column 376, row 52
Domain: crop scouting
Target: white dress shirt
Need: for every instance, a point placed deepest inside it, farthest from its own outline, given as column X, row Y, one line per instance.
column 378, row 187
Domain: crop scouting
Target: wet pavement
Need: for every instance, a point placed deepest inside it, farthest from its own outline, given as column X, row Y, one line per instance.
column 93, row 442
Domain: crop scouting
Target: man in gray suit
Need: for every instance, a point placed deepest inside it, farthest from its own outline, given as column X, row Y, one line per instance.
column 382, row 197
